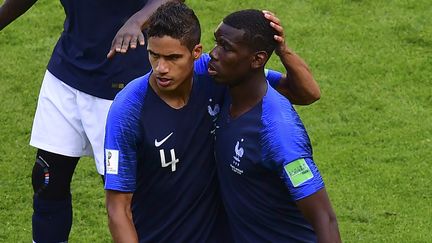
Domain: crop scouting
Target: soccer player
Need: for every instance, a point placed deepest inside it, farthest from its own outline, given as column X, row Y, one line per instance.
column 76, row 93
column 161, row 183
column 271, row 187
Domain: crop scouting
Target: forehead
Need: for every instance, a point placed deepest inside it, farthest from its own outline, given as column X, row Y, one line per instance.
column 230, row 33
column 166, row 45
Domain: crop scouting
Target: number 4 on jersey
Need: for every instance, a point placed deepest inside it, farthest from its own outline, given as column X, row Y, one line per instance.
column 173, row 161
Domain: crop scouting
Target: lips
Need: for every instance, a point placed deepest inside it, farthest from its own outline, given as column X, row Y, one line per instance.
column 163, row 82
column 211, row 69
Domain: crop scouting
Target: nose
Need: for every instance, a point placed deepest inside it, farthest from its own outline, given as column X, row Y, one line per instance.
column 213, row 53
column 162, row 66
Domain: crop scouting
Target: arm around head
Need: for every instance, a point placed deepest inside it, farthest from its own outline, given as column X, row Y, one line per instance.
column 298, row 85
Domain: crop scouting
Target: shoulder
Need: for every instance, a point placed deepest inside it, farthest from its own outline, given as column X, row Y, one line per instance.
column 283, row 134
column 133, row 89
column 129, row 101
column 134, row 92
column 201, row 64
column 273, row 77
column 277, row 108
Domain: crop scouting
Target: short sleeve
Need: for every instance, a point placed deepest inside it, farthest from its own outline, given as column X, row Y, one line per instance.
column 302, row 177
column 273, row 77
column 286, row 147
column 122, row 137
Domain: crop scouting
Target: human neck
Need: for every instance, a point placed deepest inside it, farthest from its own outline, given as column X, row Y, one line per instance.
column 176, row 98
column 247, row 93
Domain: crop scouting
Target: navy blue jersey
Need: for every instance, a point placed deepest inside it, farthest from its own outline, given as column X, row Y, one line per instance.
column 265, row 164
column 165, row 157
column 79, row 58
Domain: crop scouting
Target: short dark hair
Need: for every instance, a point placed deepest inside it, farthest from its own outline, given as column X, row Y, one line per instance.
column 176, row 20
column 259, row 35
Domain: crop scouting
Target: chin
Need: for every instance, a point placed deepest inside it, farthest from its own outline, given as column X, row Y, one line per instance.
column 219, row 80
column 166, row 88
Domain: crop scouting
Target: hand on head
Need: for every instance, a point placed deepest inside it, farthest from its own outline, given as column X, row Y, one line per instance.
column 276, row 24
column 130, row 35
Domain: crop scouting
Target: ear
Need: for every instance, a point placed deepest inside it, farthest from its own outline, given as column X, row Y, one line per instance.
column 197, row 51
column 259, row 59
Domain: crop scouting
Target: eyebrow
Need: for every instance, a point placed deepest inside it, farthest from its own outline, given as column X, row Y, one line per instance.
column 225, row 40
column 175, row 55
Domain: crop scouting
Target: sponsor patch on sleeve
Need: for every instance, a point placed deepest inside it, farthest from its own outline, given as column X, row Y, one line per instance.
column 112, row 158
column 298, row 172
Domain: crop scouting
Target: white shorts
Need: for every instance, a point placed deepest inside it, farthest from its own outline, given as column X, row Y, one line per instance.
column 70, row 122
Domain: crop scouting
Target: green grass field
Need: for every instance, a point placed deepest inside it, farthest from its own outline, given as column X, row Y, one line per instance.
column 371, row 130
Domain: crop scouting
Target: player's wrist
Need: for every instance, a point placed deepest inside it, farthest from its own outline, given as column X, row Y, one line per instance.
column 284, row 50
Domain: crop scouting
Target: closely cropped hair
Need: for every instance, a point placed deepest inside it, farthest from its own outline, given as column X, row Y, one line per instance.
column 178, row 21
column 259, row 35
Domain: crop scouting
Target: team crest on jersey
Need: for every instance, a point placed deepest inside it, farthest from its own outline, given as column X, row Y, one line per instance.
column 238, row 154
column 213, row 110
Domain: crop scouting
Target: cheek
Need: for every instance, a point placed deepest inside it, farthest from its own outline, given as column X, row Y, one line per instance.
column 229, row 64
column 182, row 68
column 236, row 65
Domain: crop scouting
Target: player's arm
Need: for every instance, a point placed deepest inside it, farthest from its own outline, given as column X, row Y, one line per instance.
column 122, row 137
column 317, row 209
column 298, row 84
column 12, row 9
column 306, row 186
column 120, row 222
column 130, row 34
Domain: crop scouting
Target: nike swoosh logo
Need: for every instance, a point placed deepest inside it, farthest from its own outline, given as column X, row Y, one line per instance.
column 157, row 143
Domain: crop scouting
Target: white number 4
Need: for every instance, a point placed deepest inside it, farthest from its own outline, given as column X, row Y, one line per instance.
column 173, row 161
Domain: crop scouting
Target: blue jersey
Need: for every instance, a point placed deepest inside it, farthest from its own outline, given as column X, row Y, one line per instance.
column 79, row 58
column 165, row 157
column 265, row 164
